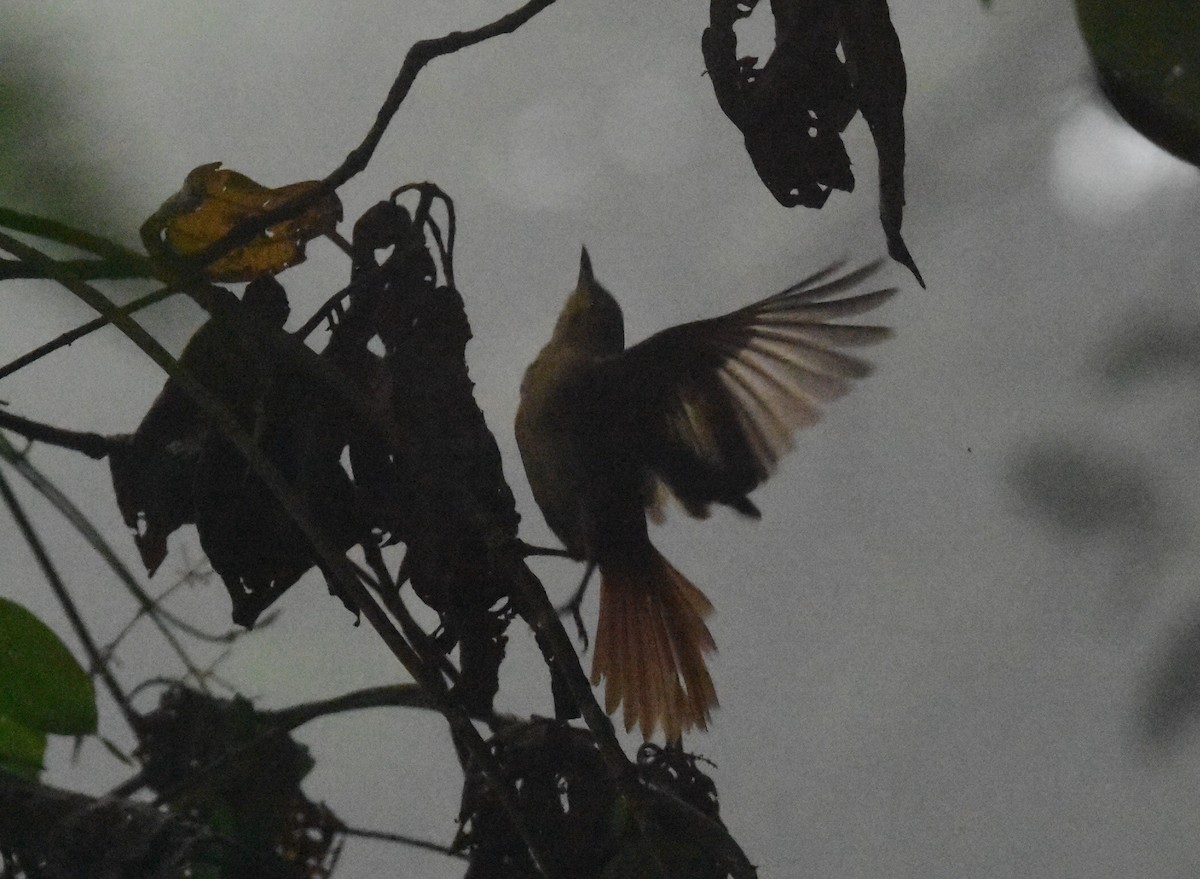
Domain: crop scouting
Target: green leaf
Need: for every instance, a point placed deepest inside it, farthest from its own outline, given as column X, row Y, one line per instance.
column 42, row 687
column 1147, row 57
column 21, row 748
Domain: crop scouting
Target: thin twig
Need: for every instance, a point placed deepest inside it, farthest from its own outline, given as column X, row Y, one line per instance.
column 420, row 54
column 34, row 541
column 79, row 332
column 391, row 696
column 528, row 549
column 385, row 587
column 144, row 611
column 535, row 608
column 363, row 833
column 80, row 522
column 389, row 594
column 388, row 589
column 464, row 732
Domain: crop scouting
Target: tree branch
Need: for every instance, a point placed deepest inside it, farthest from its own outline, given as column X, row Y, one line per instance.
column 83, row 330
column 94, row 445
column 400, row 838
column 394, row 696
column 11, row 269
column 52, row 230
column 419, row 55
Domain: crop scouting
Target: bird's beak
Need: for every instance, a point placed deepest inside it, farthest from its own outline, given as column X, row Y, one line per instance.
column 585, row 268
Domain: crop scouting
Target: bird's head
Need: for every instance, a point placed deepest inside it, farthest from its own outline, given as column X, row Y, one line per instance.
column 591, row 317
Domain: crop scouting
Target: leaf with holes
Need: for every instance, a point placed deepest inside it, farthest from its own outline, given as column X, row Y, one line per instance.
column 793, row 110
column 829, row 62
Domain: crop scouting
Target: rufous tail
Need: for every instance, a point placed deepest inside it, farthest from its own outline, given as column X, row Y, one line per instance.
column 650, row 646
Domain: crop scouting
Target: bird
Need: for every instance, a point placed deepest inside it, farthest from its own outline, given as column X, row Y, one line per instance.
column 702, row 411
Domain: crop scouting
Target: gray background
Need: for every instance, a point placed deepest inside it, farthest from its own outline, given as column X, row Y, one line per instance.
column 936, row 647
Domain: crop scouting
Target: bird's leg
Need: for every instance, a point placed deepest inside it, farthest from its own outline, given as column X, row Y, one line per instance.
column 572, row 606
column 528, row 549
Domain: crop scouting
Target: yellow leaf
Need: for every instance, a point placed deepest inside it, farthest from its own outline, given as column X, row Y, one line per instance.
column 214, row 200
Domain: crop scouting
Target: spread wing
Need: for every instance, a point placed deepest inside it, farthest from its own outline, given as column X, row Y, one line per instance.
column 712, row 405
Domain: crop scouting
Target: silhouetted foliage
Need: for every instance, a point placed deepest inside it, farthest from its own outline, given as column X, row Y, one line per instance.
column 793, row 106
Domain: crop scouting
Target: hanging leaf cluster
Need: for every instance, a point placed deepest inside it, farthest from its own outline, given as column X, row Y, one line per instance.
column 178, row 467
column 831, row 61
column 423, row 469
column 458, row 518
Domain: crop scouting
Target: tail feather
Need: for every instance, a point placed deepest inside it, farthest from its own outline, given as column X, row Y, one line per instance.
column 700, row 693
column 650, row 644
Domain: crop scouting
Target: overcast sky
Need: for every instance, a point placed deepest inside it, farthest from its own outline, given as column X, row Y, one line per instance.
column 928, row 668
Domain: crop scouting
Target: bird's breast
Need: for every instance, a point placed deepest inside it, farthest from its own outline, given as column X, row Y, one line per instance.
column 579, row 470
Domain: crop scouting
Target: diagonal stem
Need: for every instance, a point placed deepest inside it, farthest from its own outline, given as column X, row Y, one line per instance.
column 89, row 532
column 419, row 55
column 94, row 445
column 79, row 332
column 337, row 566
column 34, row 541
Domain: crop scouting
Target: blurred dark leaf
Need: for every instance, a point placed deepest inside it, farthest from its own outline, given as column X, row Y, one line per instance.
column 1147, row 58
column 793, row 108
column 219, row 761
column 1172, row 702
column 565, row 796
column 665, row 842
column 635, row 859
column 1152, row 349
column 1085, row 491
column 49, row 833
column 47, row 164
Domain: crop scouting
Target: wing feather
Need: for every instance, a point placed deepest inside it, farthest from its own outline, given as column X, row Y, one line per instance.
column 711, row 406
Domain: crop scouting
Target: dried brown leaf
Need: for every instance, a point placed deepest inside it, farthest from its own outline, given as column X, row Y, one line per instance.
column 214, row 200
